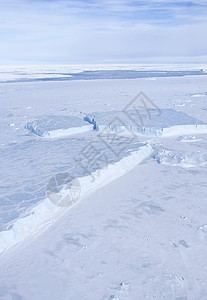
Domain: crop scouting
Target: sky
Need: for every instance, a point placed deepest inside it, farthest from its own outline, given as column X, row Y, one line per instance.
column 102, row 31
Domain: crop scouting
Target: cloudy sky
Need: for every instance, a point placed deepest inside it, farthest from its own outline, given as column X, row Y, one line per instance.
column 103, row 31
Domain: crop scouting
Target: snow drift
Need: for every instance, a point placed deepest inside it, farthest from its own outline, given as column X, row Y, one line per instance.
column 178, row 159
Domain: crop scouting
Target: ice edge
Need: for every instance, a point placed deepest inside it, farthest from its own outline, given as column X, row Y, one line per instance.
column 46, row 212
column 163, row 132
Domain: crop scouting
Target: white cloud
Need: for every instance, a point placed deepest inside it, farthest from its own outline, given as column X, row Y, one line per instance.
column 85, row 31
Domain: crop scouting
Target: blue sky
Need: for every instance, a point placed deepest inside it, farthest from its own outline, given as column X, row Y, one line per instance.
column 102, row 31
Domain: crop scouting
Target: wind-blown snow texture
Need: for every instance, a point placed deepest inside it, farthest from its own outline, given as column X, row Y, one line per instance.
column 142, row 236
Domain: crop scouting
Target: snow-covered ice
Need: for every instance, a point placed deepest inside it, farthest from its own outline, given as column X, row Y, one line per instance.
column 138, row 227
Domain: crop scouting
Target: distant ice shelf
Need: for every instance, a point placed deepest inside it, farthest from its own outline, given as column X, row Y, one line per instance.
column 91, row 73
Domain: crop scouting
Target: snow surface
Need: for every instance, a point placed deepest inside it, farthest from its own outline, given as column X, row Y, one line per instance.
column 139, row 228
